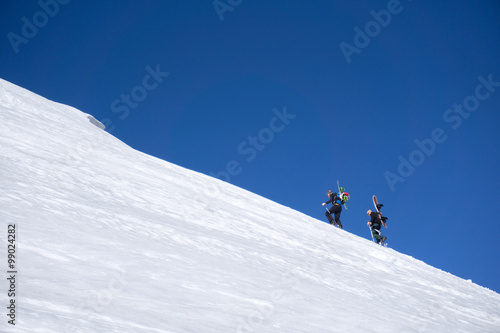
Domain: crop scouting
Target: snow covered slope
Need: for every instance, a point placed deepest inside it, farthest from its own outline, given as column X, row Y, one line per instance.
column 109, row 239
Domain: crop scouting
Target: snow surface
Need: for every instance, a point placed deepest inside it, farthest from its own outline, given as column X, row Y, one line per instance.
column 112, row 240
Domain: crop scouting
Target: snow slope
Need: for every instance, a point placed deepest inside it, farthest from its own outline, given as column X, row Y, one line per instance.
column 112, row 240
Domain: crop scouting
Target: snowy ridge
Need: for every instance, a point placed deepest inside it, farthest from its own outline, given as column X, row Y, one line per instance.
column 113, row 240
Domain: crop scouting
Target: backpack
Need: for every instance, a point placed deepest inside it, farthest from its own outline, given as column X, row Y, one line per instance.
column 345, row 196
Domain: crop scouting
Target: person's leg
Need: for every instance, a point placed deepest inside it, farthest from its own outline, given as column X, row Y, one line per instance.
column 337, row 209
column 337, row 219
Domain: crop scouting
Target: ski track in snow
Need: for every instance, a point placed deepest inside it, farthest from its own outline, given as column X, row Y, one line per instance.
column 113, row 240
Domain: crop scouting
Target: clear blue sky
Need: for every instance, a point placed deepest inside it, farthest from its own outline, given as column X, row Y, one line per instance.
column 395, row 98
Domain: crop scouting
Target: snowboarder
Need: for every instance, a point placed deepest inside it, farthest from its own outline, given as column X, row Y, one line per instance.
column 336, row 209
column 374, row 224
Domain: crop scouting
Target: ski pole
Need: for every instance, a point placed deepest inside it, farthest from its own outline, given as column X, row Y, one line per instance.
column 371, row 233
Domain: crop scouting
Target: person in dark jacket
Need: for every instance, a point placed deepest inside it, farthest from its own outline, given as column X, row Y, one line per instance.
column 374, row 224
column 336, row 209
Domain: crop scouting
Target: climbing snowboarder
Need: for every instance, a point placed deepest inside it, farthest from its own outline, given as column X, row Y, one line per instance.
column 336, row 208
column 374, row 224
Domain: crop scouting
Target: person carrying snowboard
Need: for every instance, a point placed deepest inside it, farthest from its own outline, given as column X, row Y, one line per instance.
column 374, row 224
column 336, row 209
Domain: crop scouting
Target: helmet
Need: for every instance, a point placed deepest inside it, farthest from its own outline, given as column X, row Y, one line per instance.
column 342, row 189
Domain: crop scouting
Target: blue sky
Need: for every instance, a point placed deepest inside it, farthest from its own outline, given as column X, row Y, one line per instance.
column 395, row 98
